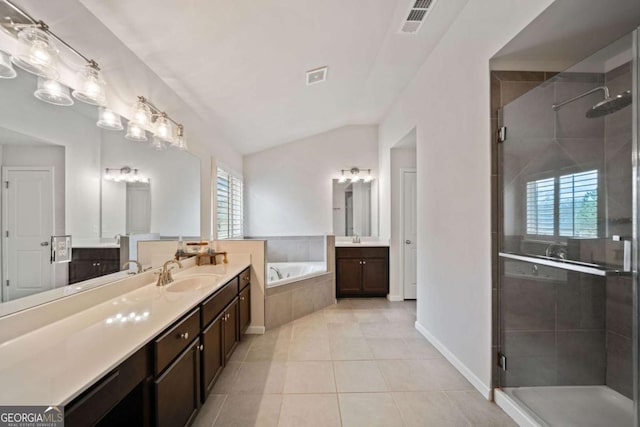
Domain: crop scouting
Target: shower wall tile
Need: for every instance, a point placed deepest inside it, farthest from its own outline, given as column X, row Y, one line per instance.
column 295, row 249
column 511, row 90
column 527, row 304
column 620, row 305
column 581, row 302
column 530, row 344
column 530, row 116
column 581, row 357
column 530, row 372
column 620, row 364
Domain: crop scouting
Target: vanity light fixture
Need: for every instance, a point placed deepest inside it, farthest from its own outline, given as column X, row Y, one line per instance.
column 37, row 53
column 109, row 120
column 124, row 174
column 160, row 123
column 53, row 92
column 355, row 175
column 6, row 67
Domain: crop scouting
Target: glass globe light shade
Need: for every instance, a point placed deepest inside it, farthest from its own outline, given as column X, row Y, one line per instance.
column 53, row 92
column 90, row 87
column 6, row 67
column 164, row 129
column 109, row 120
column 36, row 53
column 157, row 143
column 135, row 132
column 141, row 113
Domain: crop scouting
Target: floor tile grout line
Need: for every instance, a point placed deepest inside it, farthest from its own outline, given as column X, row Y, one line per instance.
column 215, row 419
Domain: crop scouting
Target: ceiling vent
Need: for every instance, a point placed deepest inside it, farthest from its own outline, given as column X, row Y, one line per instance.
column 417, row 14
column 317, row 75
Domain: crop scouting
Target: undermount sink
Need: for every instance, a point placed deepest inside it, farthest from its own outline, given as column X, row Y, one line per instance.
column 192, row 283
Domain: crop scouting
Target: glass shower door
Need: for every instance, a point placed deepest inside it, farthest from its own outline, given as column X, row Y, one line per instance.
column 566, row 300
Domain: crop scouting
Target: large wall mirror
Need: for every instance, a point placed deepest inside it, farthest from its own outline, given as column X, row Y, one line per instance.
column 62, row 175
column 352, row 208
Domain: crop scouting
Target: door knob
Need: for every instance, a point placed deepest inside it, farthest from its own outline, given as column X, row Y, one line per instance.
column 44, row 244
column 408, row 242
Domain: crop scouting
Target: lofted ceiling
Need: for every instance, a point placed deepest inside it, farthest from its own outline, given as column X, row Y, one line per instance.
column 242, row 64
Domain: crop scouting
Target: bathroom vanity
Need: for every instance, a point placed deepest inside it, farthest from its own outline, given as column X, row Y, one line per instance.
column 362, row 271
column 146, row 357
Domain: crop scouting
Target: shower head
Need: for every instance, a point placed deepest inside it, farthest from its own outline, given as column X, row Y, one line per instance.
column 607, row 106
column 610, row 105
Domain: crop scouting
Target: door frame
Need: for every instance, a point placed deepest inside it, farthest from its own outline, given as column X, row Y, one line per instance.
column 403, row 171
column 5, row 219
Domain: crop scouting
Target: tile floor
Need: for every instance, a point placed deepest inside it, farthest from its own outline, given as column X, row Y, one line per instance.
column 359, row 363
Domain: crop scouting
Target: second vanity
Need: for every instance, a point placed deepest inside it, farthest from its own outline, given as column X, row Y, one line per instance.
column 148, row 357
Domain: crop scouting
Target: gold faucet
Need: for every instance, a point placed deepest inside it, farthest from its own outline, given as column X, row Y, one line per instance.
column 164, row 278
column 132, row 261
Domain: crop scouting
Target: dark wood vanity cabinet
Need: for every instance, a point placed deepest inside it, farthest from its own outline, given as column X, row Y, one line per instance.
column 177, row 390
column 89, row 263
column 166, row 382
column 362, row 271
column 244, row 303
column 121, row 397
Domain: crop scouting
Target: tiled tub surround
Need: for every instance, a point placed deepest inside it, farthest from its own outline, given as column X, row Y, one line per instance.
column 294, row 248
column 55, row 363
column 299, row 298
column 292, row 271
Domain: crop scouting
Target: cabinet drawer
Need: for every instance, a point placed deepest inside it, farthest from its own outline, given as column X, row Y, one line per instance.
column 175, row 340
column 245, row 278
column 214, row 305
column 93, row 404
column 362, row 252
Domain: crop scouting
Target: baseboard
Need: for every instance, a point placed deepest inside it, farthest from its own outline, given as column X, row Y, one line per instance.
column 255, row 330
column 511, row 408
column 487, row 392
column 394, row 298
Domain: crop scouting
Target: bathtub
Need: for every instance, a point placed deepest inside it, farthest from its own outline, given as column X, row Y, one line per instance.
column 293, row 271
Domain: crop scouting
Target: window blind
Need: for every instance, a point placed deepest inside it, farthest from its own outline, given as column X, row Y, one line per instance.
column 540, row 207
column 578, row 204
column 229, row 206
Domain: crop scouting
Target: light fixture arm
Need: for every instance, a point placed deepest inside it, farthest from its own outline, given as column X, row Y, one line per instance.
column 44, row 27
column 156, row 112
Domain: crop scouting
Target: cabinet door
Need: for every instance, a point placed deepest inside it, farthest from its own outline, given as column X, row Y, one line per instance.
column 348, row 276
column 212, row 357
column 177, row 396
column 245, row 310
column 375, row 276
column 230, row 335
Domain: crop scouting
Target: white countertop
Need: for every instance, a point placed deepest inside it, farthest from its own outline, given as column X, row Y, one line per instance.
column 54, row 364
column 365, row 243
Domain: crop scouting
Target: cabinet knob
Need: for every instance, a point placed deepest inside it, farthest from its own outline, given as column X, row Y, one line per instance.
column 364, row 262
column 184, row 336
column 201, row 347
column 241, row 298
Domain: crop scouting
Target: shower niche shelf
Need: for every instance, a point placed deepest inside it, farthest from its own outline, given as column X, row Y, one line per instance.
column 563, row 264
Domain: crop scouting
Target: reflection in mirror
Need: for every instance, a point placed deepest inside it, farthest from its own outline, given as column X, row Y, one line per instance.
column 351, row 208
column 53, row 161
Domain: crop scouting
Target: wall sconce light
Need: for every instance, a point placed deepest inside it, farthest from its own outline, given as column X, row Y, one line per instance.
column 355, row 175
column 124, row 174
column 135, row 132
column 109, row 120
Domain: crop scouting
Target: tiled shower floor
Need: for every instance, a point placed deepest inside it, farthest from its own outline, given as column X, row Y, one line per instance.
column 359, row 363
column 574, row 406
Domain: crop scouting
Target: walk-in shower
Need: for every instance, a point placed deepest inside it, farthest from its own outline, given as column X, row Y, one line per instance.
column 567, row 291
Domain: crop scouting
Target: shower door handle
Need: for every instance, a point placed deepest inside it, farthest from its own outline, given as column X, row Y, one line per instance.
column 408, row 242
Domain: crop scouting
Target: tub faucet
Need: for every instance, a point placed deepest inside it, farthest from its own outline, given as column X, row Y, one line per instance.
column 132, row 261
column 278, row 273
column 164, row 278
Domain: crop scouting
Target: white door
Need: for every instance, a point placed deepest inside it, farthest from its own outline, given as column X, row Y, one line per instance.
column 409, row 224
column 138, row 208
column 28, row 219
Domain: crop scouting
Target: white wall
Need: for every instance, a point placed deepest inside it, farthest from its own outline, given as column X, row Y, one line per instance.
column 401, row 158
column 448, row 102
column 288, row 189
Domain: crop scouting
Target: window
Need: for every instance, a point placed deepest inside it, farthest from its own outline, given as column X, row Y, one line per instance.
column 565, row 206
column 229, row 206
